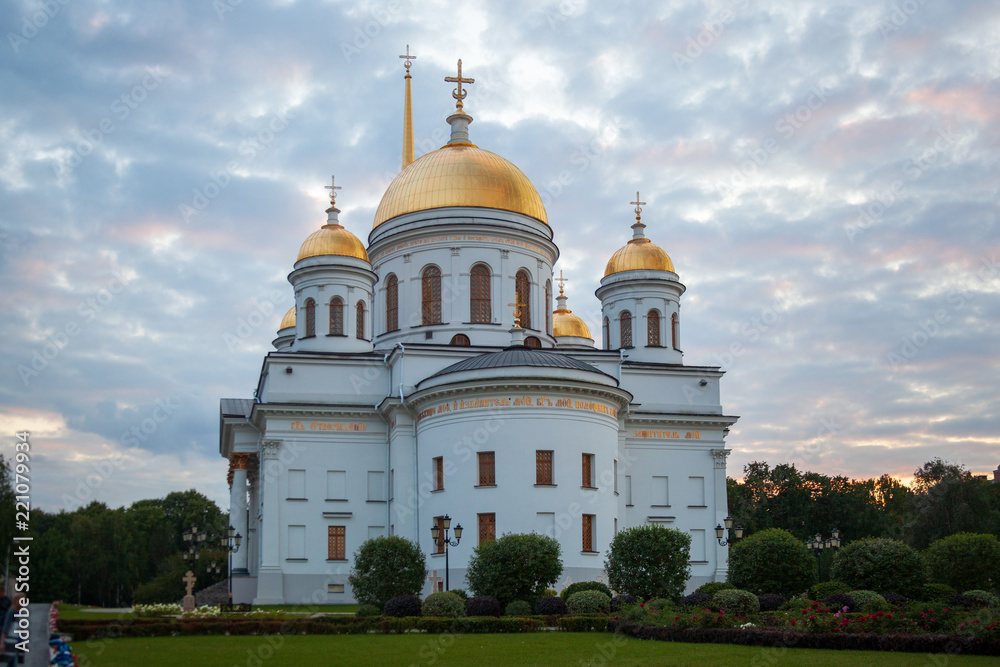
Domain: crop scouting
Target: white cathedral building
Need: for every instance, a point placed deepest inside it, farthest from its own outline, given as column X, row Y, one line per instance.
column 428, row 375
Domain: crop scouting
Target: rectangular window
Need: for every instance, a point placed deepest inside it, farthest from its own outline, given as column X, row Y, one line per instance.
column 616, row 525
column 487, row 527
column 696, row 491
column 543, row 466
column 375, row 531
column 588, row 470
column 588, row 532
column 335, row 588
column 392, row 484
column 628, row 490
column 336, row 543
column 698, row 545
column 616, row 476
column 297, row 542
column 661, row 491
column 336, row 485
column 376, row 485
column 439, row 547
column 438, row 473
column 545, row 523
column 296, row 483
column 487, row 469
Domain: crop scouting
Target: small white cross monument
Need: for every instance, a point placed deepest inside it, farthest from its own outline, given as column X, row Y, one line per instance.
column 189, row 581
column 437, row 583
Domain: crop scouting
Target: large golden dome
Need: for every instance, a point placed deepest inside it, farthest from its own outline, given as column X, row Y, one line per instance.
column 288, row 320
column 565, row 323
column 332, row 239
column 639, row 254
column 460, row 174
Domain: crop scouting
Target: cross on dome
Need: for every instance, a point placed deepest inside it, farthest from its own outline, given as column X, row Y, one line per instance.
column 458, row 93
column 638, row 206
column 637, row 234
column 333, row 187
column 562, row 280
column 407, row 58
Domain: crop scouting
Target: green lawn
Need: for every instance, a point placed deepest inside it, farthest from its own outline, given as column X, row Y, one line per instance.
column 542, row 648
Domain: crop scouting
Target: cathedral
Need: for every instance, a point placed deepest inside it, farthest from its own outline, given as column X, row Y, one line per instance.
column 427, row 380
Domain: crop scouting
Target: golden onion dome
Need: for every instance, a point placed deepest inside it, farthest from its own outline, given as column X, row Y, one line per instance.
column 460, row 174
column 288, row 320
column 639, row 254
column 565, row 323
column 332, row 239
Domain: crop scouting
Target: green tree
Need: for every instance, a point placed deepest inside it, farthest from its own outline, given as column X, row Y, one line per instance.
column 948, row 500
column 385, row 567
column 881, row 565
column 965, row 561
column 649, row 562
column 516, row 566
column 771, row 561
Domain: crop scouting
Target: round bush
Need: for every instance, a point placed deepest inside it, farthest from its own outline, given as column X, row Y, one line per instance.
column 518, row 608
column 735, row 601
column 443, row 604
column 880, row 565
column 713, row 587
column 965, row 561
column 649, row 562
column 797, row 603
column 588, row 602
column 550, row 605
column 385, row 567
column 517, row 566
column 585, row 586
column 771, row 601
column 460, row 592
column 483, row 605
column 367, row 610
column 659, row 604
column 869, row 601
column 935, row 592
column 895, row 599
column 619, row 601
column 771, row 561
column 983, row 598
column 960, row 602
column 820, row 591
column 699, row 600
column 837, row 601
column 402, row 605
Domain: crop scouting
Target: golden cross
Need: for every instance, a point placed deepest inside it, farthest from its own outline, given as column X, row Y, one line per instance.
column 458, row 93
column 638, row 204
column 562, row 280
column 408, row 58
column 517, row 313
column 333, row 187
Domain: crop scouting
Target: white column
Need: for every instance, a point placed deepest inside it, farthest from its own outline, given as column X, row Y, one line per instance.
column 238, row 512
column 721, row 512
column 269, row 578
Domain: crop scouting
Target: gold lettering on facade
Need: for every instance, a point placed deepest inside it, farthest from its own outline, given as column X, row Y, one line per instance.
column 518, row 402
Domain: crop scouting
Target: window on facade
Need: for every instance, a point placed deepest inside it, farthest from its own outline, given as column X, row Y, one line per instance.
column 607, row 334
column 310, row 318
column 673, row 330
column 361, row 319
column 336, row 543
column 616, row 476
column 297, row 484
column 522, row 290
column 430, row 287
column 376, row 485
column 460, row 339
column 543, row 466
column 588, row 532
column 653, row 329
column 439, row 546
column 588, row 470
column 336, row 485
column 626, row 328
column 297, row 542
column 533, row 343
column 479, row 304
column 487, row 527
column 548, row 307
column 336, row 316
column 487, row 469
column 391, row 303
column 438, row 473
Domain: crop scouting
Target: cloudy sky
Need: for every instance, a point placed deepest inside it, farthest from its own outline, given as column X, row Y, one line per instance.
column 824, row 176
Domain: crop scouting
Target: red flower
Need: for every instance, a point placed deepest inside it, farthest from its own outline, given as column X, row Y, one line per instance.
column 793, row 622
column 803, row 612
column 811, row 617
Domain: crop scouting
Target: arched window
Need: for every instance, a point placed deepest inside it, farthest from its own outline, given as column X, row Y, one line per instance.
column 460, row 339
column 479, row 304
column 673, row 330
column 336, row 316
column 626, row 326
column 533, row 343
column 361, row 319
column 310, row 318
column 430, row 287
column 653, row 329
column 391, row 303
column 522, row 290
column 607, row 334
column 548, row 307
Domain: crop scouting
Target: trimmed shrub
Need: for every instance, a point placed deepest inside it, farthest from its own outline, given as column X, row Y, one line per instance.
column 771, row 601
column 586, row 603
column 698, row 600
column 965, row 561
column 550, row 605
column 796, row 603
column 386, row 567
column 869, row 601
column 367, row 610
column 483, row 605
column 735, row 601
column 514, row 567
column 820, row 591
column 460, row 592
column 935, row 592
column 895, row 599
column 771, row 561
column 402, row 605
column 838, row 601
column 960, row 602
column 983, row 598
column 443, row 604
column 659, row 604
column 518, row 608
column 880, row 565
column 649, row 561
column 619, row 601
column 585, row 586
column 713, row 587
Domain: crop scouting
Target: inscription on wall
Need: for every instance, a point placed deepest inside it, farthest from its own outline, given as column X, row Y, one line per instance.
column 518, row 402
column 462, row 237
column 328, row 426
column 664, row 435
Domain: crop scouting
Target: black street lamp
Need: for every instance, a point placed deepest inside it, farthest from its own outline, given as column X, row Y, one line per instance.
column 736, row 534
column 231, row 543
column 194, row 540
column 817, row 544
column 213, row 570
column 443, row 541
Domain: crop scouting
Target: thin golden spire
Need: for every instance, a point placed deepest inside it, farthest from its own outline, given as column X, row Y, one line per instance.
column 407, row 113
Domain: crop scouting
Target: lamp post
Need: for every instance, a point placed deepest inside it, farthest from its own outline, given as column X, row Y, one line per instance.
column 737, row 533
column 231, row 543
column 194, row 539
column 442, row 540
column 213, row 569
column 817, row 544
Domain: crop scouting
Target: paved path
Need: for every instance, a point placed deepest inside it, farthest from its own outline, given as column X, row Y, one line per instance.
column 39, row 643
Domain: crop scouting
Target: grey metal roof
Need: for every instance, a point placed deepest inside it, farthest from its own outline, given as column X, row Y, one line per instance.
column 518, row 356
column 236, row 407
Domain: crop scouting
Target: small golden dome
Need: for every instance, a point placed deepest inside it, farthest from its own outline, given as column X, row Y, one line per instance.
column 460, row 175
column 639, row 254
column 288, row 320
column 565, row 323
column 332, row 240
